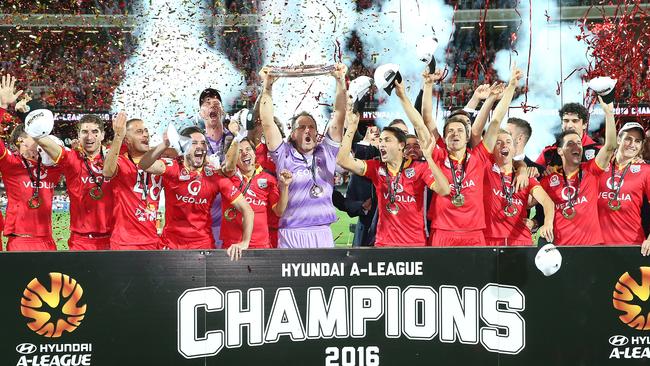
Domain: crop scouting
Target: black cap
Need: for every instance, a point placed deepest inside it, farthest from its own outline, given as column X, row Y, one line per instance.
column 207, row 93
column 32, row 105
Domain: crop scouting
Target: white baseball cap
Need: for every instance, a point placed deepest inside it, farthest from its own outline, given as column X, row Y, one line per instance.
column 630, row 126
column 548, row 259
column 39, row 123
column 425, row 50
column 603, row 86
column 359, row 87
column 179, row 143
column 386, row 75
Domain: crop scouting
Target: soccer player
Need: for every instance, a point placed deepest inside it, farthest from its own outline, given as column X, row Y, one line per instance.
column 191, row 186
column 574, row 189
column 398, row 180
column 30, row 187
column 465, row 169
column 622, row 189
column 136, row 192
column 306, row 221
column 575, row 117
column 91, row 198
column 505, row 209
column 211, row 111
column 262, row 191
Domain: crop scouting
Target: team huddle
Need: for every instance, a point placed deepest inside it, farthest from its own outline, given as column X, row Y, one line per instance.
column 472, row 185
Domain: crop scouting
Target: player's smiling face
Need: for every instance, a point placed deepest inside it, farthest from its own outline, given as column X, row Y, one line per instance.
column 630, row 143
column 195, row 157
column 211, row 111
column 90, row 137
column 27, row 147
column 390, row 149
column 246, row 161
column 455, row 136
column 503, row 149
column 137, row 137
column 571, row 149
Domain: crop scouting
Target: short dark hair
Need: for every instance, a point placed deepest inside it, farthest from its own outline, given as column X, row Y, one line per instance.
column 18, row 131
column 90, row 118
column 523, row 125
column 575, row 108
column 294, row 119
column 399, row 134
column 563, row 135
column 250, row 142
column 188, row 131
column 396, row 121
column 459, row 112
column 411, row 136
column 455, row 119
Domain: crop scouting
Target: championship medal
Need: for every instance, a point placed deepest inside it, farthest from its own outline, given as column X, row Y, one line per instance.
column 230, row 214
column 458, row 200
column 392, row 207
column 569, row 212
column 316, row 191
column 96, row 193
column 34, row 202
column 510, row 210
column 614, row 204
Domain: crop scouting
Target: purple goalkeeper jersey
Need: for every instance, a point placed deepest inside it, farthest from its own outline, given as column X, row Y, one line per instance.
column 303, row 209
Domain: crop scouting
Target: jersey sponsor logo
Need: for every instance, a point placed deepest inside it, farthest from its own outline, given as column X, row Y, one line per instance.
column 499, row 193
column 191, row 200
column 255, row 201
column 401, row 198
column 590, row 154
column 568, row 192
column 410, row 172
column 41, row 185
column 304, row 172
column 555, row 181
column 610, row 196
column 615, row 184
column 145, row 214
column 194, row 187
column 263, row 183
column 91, row 180
column 466, row 184
column 635, row 168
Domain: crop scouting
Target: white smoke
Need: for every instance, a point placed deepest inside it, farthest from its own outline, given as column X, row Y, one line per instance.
column 555, row 54
column 172, row 64
column 296, row 32
column 390, row 33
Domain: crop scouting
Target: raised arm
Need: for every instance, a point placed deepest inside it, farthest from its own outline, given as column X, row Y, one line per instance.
column 441, row 185
column 427, row 102
column 150, row 162
column 232, row 155
column 50, row 147
column 344, row 157
column 606, row 152
column 8, row 94
column 501, row 109
column 284, row 180
column 336, row 128
column 416, row 119
column 271, row 133
column 119, row 128
column 492, row 93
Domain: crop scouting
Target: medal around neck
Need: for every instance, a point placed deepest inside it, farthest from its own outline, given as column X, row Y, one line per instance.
column 614, row 204
column 316, row 191
column 96, row 193
column 458, row 200
column 510, row 210
column 34, row 202
column 392, row 208
column 230, row 214
column 569, row 212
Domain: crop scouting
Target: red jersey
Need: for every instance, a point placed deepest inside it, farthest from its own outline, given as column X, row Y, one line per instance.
column 497, row 224
column 87, row 215
column 470, row 216
column 263, row 158
column 188, row 198
column 584, row 228
column 624, row 225
column 262, row 194
column 550, row 157
column 406, row 228
column 135, row 210
column 21, row 177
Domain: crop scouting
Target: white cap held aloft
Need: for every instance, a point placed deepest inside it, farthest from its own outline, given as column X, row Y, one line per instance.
column 603, row 86
column 386, row 75
column 425, row 50
column 548, row 259
column 39, row 123
column 179, row 143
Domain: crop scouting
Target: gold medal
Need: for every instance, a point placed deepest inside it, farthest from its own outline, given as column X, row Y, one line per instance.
column 392, row 208
column 569, row 212
column 96, row 193
column 458, row 200
column 230, row 214
column 34, row 202
column 316, row 191
column 614, row 204
column 510, row 210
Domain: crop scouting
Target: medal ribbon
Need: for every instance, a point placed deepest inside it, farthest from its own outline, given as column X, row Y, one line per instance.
column 620, row 182
column 508, row 191
column 36, row 181
column 392, row 186
column 577, row 191
column 99, row 180
column 458, row 179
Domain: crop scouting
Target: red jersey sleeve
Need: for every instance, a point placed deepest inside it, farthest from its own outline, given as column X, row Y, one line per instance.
column 591, row 167
column 274, row 191
column 228, row 190
column 482, row 153
column 372, row 167
column 426, row 175
column 171, row 169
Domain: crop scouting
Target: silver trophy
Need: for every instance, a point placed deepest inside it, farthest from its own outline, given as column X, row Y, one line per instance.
column 298, row 71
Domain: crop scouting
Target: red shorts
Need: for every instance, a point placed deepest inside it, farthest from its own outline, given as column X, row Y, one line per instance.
column 507, row 242
column 150, row 246
column 447, row 238
column 29, row 243
column 171, row 243
column 273, row 237
column 89, row 241
column 227, row 244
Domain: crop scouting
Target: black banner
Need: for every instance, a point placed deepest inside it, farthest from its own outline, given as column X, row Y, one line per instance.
column 325, row 307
